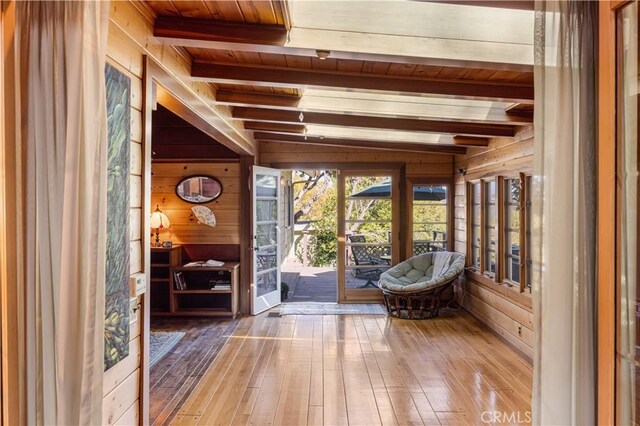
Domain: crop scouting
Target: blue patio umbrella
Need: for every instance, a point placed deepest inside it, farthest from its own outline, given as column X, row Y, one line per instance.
column 421, row 193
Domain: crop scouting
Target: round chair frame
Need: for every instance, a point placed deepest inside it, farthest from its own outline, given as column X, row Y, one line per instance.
column 422, row 304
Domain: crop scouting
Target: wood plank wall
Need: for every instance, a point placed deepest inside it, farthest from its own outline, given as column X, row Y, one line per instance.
column 416, row 164
column 131, row 30
column 509, row 314
column 185, row 229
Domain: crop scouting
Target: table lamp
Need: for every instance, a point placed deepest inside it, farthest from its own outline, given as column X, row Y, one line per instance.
column 159, row 220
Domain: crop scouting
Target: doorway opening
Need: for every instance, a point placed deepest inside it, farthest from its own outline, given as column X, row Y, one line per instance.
column 194, row 254
column 311, row 225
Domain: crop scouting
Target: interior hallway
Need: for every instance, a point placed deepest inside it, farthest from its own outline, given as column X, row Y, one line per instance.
column 359, row 370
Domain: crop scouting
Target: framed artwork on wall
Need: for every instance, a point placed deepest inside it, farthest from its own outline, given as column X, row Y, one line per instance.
column 116, row 332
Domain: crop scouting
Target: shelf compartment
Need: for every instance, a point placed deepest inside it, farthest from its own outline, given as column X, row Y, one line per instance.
column 203, row 301
column 203, row 291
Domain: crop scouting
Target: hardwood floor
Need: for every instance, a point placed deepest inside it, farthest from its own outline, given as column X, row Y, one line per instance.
column 361, row 370
column 174, row 377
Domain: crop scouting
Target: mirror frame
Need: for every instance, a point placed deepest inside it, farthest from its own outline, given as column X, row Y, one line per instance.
column 198, row 176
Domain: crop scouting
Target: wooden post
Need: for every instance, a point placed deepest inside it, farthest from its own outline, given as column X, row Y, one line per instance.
column 14, row 386
column 606, row 211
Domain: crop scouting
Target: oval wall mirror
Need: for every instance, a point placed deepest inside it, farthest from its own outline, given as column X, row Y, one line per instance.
column 199, row 189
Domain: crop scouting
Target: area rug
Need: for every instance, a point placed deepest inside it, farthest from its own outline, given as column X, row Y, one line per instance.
column 160, row 343
column 332, row 309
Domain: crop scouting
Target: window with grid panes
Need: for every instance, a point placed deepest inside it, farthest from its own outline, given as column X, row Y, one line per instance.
column 511, row 229
column 490, row 235
column 475, row 224
column 527, row 229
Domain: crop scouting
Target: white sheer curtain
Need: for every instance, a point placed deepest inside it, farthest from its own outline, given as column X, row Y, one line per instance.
column 564, row 214
column 627, row 353
column 62, row 48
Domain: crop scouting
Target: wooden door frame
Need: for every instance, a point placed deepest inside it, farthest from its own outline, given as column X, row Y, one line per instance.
column 608, row 274
column 410, row 183
column 355, row 295
column 12, row 302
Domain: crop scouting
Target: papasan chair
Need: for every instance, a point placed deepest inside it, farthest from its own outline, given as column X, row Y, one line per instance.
column 413, row 289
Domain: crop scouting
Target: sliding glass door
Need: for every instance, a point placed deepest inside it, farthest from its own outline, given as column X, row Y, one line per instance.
column 367, row 232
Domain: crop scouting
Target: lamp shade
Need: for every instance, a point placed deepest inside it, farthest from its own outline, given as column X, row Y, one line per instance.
column 159, row 220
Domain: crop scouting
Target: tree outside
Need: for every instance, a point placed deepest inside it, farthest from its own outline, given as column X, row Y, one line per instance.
column 315, row 210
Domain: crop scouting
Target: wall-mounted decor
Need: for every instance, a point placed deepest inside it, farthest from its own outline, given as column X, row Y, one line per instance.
column 199, row 189
column 204, row 215
column 116, row 332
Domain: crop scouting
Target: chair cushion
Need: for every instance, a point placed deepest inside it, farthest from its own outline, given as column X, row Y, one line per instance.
column 416, row 274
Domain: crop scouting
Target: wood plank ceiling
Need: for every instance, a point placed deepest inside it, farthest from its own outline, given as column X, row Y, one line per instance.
column 432, row 76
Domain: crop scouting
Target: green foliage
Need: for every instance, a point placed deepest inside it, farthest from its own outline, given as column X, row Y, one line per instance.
column 369, row 217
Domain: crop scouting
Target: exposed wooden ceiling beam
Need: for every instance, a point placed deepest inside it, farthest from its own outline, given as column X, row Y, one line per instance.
column 521, row 111
column 276, row 39
column 262, row 75
column 469, row 141
column 238, row 98
column 206, row 30
column 274, row 127
column 463, row 113
column 502, row 4
column 347, row 120
column 351, row 143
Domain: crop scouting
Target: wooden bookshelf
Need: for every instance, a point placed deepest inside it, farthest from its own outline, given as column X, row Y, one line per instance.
column 162, row 260
column 201, row 297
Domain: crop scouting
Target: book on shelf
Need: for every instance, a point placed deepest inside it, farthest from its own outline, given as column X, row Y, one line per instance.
column 220, row 284
column 204, row 264
column 179, row 281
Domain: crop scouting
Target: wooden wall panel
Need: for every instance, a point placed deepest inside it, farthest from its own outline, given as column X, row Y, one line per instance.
column 131, row 36
column 418, row 165
column 184, row 227
column 136, row 159
column 118, row 373
column 506, row 312
column 130, row 417
column 118, row 401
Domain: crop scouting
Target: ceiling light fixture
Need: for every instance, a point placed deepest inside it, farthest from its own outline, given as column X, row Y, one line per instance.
column 323, row 54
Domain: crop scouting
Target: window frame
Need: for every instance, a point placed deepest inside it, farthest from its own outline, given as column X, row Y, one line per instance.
column 499, row 277
column 485, row 227
column 526, row 266
column 521, row 285
column 425, row 181
column 288, row 204
column 470, row 226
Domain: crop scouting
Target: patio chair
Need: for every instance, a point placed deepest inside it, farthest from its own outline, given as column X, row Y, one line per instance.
column 413, row 289
column 365, row 256
column 420, row 247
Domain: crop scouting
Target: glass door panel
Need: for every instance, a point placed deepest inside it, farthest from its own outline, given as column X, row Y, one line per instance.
column 367, row 232
column 266, row 244
column 429, row 219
